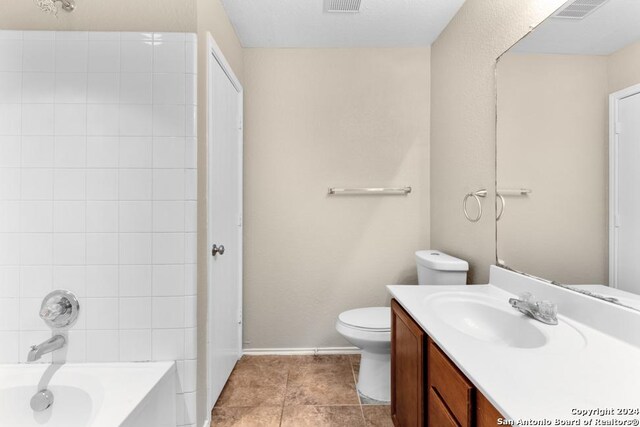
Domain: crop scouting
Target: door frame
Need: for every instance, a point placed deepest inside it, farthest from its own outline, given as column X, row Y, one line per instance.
column 614, row 131
column 215, row 58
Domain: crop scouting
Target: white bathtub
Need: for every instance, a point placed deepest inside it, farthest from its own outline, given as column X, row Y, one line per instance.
column 90, row 395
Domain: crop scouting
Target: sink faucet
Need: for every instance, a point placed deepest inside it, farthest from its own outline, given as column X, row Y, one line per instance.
column 52, row 344
column 543, row 311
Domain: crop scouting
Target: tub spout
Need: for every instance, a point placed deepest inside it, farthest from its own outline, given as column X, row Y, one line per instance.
column 52, row 344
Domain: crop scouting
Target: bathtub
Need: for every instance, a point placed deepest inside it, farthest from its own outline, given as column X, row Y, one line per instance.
column 90, row 394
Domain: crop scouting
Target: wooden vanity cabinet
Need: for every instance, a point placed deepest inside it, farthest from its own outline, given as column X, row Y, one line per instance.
column 427, row 389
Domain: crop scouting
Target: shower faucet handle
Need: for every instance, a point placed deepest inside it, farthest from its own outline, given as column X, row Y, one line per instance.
column 59, row 309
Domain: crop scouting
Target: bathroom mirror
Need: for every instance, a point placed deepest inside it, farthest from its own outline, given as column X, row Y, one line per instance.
column 568, row 150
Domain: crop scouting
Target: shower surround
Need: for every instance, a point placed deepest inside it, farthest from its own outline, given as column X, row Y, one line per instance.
column 98, row 196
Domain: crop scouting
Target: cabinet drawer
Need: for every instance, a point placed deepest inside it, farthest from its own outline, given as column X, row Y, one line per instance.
column 437, row 414
column 451, row 385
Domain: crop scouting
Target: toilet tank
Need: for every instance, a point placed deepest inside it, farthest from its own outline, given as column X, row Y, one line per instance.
column 438, row 268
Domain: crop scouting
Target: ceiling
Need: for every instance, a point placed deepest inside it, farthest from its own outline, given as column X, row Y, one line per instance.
column 609, row 28
column 303, row 23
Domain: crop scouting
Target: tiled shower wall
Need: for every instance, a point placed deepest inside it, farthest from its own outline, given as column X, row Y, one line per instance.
column 98, row 195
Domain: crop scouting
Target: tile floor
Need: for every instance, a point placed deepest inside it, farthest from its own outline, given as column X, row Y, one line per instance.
column 297, row 391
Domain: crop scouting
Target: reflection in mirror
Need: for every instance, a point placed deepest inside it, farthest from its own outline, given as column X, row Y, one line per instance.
column 569, row 133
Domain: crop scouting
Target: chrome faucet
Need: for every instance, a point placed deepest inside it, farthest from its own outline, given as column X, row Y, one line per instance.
column 543, row 311
column 52, row 344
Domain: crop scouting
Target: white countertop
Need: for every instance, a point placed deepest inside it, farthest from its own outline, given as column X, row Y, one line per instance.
column 595, row 371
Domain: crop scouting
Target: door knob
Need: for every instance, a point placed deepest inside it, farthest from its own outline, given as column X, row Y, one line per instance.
column 215, row 250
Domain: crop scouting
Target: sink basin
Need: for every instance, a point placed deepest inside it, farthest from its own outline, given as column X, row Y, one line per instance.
column 487, row 320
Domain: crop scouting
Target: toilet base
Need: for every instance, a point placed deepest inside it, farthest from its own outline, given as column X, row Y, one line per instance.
column 374, row 378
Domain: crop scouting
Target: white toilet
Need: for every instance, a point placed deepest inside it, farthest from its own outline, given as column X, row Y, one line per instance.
column 370, row 328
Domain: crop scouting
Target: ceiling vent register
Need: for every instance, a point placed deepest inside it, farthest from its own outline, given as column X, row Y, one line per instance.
column 578, row 9
column 342, row 6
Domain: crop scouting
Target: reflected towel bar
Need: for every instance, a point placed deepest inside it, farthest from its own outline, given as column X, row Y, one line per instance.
column 372, row 190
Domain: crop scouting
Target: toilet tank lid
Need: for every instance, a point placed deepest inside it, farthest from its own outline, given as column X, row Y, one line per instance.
column 437, row 260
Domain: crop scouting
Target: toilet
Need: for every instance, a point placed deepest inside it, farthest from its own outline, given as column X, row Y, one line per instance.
column 369, row 328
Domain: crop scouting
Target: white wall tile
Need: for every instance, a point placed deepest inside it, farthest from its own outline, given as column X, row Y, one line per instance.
column 191, row 311
column 191, row 89
column 102, row 119
column 8, row 244
column 103, row 346
column 71, row 88
column 9, row 314
column 136, row 88
column 169, row 88
column 104, row 56
column 135, row 280
column 190, row 343
column 136, row 152
column 102, row 313
column 102, row 152
column 102, row 281
column 36, row 249
column 135, row 248
column 191, row 153
column 36, row 217
column 102, row 217
column 70, row 151
column 168, row 344
column 38, row 88
column 9, row 351
column 10, row 183
column 136, row 56
column 10, row 119
column 168, row 280
column 168, row 184
column 36, row 184
column 69, row 184
column 168, row 248
column 103, row 88
column 102, row 184
column 191, row 216
column 10, row 88
column 135, row 184
column 169, row 120
column 38, row 56
column 191, row 184
column 10, row 216
column 11, row 54
column 69, row 249
column 135, row 120
column 37, row 119
column 191, row 62
column 135, row 313
column 72, row 56
column 70, row 119
column 69, row 217
column 191, row 119
column 169, row 152
column 165, row 54
column 37, row 151
column 190, row 248
column 10, row 148
column 29, row 318
column 10, row 281
column 168, row 216
column 135, row 217
column 135, row 345
column 71, row 277
column 76, row 348
column 102, row 248
column 190, row 279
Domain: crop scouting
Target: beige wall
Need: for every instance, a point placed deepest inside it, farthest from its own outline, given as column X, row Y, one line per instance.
column 98, row 15
column 553, row 138
column 624, row 67
column 316, row 118
column 463, row 121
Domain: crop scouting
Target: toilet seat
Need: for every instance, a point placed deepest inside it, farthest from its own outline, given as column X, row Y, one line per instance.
column 369, row 319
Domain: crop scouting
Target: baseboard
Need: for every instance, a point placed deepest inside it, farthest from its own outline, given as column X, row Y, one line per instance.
column 299, row 351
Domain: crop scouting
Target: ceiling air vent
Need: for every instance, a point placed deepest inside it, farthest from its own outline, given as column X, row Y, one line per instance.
column 342, row 6
column 579, row 9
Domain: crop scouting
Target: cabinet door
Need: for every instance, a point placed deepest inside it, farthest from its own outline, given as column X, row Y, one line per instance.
column 486, row 414
column 407, row 369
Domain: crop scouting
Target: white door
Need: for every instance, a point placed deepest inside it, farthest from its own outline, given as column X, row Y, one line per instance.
column 625, row 188
column 224, row 127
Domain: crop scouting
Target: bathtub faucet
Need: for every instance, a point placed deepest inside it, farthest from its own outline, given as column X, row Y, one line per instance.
column 52, row 344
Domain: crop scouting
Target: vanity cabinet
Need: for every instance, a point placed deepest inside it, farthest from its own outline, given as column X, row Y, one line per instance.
column 427, row 389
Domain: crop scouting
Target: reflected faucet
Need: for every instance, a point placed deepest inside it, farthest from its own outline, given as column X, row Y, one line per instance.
column 542, row 311
column 52, row 344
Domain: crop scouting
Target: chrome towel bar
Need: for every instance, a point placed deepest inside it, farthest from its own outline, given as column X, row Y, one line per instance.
column 369, row 190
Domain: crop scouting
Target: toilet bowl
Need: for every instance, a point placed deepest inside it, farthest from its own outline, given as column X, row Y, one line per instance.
column 370, row 330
